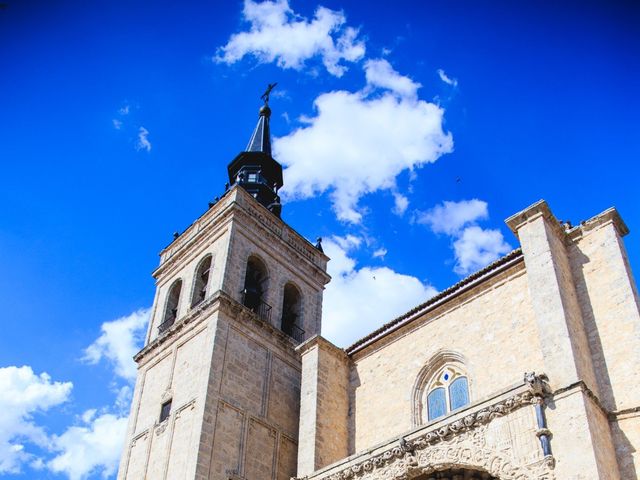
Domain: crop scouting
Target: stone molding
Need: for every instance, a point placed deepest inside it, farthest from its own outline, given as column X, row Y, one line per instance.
column 235, row 200
column 610, row 215
column 539, row 209
column 437, row 361
column 324, row 344
column 193, row 316
column 222, row 301
column 458, row 443
column 566, row 232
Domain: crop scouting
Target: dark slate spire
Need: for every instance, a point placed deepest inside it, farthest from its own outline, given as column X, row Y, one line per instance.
column 261, row 138
column 255, row 169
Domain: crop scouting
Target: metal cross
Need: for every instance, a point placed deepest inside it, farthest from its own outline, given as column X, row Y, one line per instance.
column 265, row 95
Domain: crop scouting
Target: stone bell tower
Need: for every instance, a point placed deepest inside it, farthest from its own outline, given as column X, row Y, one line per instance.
column 218, row 388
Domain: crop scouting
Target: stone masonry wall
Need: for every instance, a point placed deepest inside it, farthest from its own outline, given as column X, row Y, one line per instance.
column 175, row 371
column 216, row 246
column 609, row 302
column 281, row 269
column 324, row 434
column 492, row 328
column 253, row 398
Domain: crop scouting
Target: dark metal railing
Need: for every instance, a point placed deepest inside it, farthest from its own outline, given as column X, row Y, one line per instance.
column 293, row 331
column 164, row 326
column 256, row 305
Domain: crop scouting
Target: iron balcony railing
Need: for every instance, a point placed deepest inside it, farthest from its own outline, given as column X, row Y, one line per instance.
column 294, row 332
column 256, row 305
column 164, row 326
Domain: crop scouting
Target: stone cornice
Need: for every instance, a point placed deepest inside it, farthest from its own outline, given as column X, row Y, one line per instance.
column 216, row 217
column 322, row 343
column 236, row 199
column 405, row 449
column 609, row 216
column 541, row 209
column 531, row 213
column 222, row 301
column 194, row 316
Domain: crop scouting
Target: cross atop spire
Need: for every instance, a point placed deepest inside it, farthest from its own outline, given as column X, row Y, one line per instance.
column 255, row 169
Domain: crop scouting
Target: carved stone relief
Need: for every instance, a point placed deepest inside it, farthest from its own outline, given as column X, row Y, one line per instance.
column 462, row 443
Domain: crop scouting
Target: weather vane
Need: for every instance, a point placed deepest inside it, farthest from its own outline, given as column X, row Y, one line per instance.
column 265, row 95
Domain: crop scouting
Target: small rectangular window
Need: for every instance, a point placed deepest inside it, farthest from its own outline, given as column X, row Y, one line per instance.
column 165, row 411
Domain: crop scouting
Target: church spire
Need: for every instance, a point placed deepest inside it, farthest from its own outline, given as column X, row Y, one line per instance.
column 255, row 169
column 261, row 138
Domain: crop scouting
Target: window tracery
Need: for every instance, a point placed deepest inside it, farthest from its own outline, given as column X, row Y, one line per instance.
column 442, row 386
column 447, row 391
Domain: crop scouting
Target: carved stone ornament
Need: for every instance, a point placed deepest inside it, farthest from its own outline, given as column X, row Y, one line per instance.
column 458, row 444
column 537, row 383
column 162, row 426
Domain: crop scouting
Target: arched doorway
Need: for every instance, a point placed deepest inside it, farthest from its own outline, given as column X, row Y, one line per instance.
column 457, row 474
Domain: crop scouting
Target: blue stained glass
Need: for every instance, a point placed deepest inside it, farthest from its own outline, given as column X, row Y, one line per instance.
column 436, row 403
column 459, row 393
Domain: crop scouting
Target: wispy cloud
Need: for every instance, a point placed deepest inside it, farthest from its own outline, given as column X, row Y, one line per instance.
column 277, row 34
column 124, row 110
column 474, row 247
column 143, row 142
column 117, row 124
column 400, row 203
column 24, row 394
column 119, row 341
column 380, row 253
column 451, row 217
column 446, row 79
column 358, row 300
column 379, row 73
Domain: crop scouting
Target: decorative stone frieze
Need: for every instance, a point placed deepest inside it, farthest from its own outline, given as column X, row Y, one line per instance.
column 460, row 443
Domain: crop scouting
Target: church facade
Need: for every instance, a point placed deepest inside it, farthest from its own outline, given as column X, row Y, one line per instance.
column 526, row 369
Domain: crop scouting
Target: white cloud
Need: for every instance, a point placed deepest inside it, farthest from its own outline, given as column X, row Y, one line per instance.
column 358, row 145
column 348, row 242
column 143, row 142
column 277, row 34
column 117, row 124
column 24, row 394
column 124, row 110
column 359, row 300
column 380, row 253
column 477, row 247
column 446, row 79
column 380, row 73
column 400, row 203
column 473, row 246
column 119, row 341
column 451, row 217
column 92, row 447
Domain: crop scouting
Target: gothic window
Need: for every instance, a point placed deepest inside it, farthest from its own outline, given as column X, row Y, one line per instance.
column 255, row 287
column 201, row 281
column 171, row 309
column 447, row 391
column 291, row 312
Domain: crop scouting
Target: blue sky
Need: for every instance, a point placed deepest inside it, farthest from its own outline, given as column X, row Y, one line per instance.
column 410, row 131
